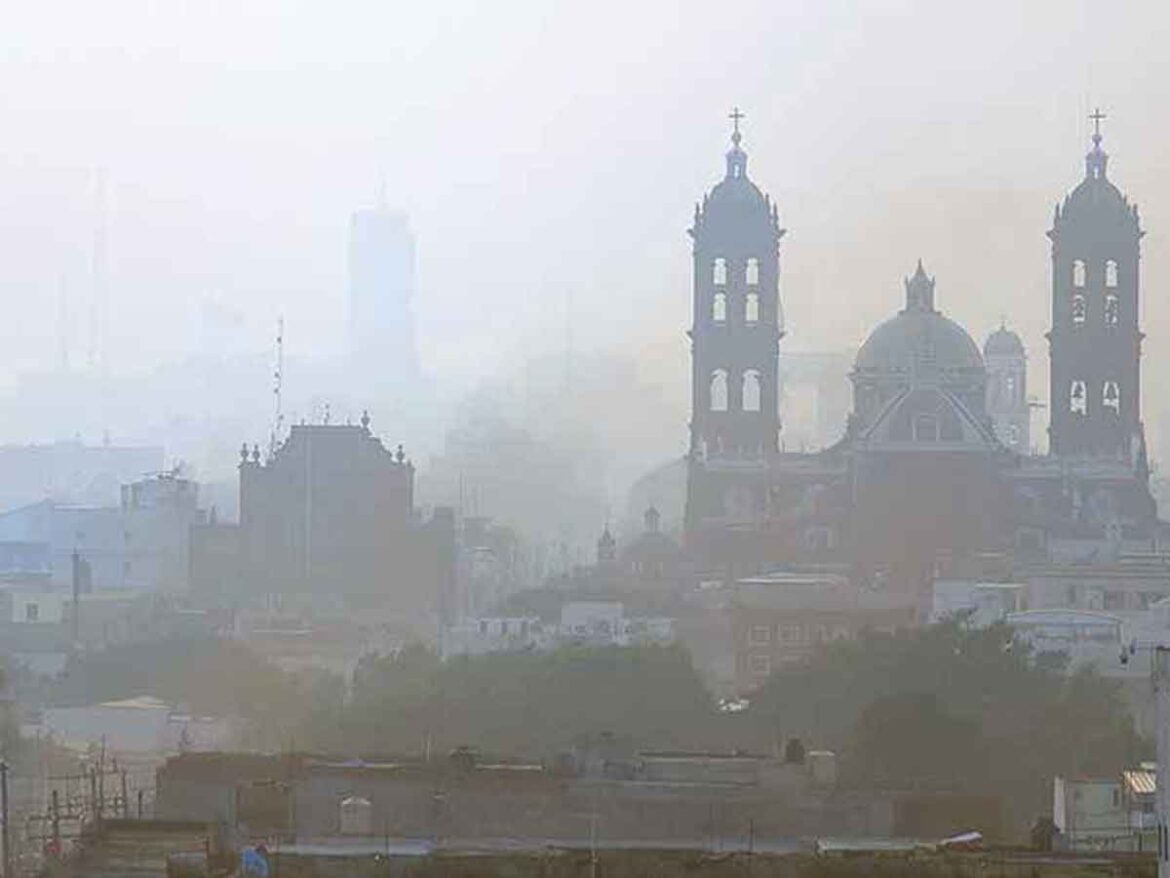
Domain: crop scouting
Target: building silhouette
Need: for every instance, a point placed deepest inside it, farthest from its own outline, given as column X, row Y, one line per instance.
column 328, row 519
column 381, row 291
column 932, row 474
column 1007, row 389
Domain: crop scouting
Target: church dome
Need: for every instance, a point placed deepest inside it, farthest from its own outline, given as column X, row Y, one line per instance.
column 1096, row 196
column 918, row 339
column 1003, row 343
column 736, row 206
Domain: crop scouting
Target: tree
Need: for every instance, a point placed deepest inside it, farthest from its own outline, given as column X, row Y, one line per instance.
column 952, row 706
column 527, row 704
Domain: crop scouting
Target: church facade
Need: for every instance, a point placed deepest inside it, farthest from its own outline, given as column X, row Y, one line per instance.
column 934, row 471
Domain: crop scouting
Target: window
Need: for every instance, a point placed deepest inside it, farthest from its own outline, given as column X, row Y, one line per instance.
column 1078, row 309
column 761, row 665
column 1112, row 309
column 719, row 308
column 751, row 308
column 1071, row 596
column 32, row 612
column 790, row 633
column 925, row 428
column 1111, row 396
column 1076, row 398
column 1078, row 269
column 483, row 626
column 760, row 634
column 718, row 391
column 1009, row 388
column 1111, row 274
column 751, row 391
column 752, row 272
column 1013, row 435
column 719, row 271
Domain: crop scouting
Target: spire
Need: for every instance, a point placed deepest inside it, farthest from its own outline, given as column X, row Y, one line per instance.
column 920, row 290
column 606, row 547
column 1097, row 158
column 652, row 519
column 736, row 157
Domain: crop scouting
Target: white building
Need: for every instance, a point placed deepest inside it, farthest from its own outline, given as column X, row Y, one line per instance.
column 142, row 725
column 981, row 603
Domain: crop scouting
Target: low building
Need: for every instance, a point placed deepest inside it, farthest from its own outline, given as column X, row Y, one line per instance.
column 133, row 726
column 605, row 623
column 141, row 544
column 979, row 603
column 1084, row 637
column 489, row 634
column 1090, row 813
column 1139, row 790
column 779, row 619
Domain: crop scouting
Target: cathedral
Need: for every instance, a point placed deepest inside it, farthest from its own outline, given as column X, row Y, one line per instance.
column 933, row 474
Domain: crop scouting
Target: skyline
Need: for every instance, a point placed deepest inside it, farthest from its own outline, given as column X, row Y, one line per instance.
column 236, row 145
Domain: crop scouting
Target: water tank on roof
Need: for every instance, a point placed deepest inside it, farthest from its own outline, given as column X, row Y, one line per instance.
column 356, row 816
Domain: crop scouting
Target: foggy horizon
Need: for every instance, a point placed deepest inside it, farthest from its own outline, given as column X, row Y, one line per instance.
column 236, row 144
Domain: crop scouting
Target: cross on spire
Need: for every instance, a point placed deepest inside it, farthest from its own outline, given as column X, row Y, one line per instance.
column 735, row 115
column 1097, row 117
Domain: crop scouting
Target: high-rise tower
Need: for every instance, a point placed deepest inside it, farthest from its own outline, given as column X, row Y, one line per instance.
column 381, row 287
column 735, row 333
column 1095, row 342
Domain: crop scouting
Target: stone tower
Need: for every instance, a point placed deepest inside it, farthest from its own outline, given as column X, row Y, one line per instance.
column 1007, row 389
column 735, row 334
column 1095, row 342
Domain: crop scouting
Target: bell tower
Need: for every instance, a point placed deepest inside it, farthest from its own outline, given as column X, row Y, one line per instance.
column 735, row 332
column 736, row 322
column 1094, row 341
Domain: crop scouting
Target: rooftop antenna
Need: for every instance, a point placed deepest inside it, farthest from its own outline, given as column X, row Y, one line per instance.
column 568, row 339
column 277, row 387
column 62, row 324
column 97, row 269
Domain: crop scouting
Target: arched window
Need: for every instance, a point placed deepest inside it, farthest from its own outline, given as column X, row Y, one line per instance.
column 1077, row 401
column 1111, row 273
column 719, row 308
column 1111, row 396
column 751, row 391
column 1112, row 309
column 719, row 391
column 751, row 308
column 1078, row 273
column 719, row 271
column 752, row 272
column 1079, row 311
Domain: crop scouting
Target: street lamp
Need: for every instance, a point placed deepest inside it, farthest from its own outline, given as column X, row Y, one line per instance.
column 1160, row 678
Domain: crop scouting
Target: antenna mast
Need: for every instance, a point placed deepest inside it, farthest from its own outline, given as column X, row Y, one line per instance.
column 277, row 386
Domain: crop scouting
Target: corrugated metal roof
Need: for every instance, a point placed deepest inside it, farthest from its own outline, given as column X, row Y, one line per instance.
column 1140, row 783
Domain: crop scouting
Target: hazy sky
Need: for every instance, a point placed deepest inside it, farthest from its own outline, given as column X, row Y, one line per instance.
column 549, row 152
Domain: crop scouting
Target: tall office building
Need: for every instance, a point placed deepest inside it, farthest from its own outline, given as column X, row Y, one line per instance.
column 381, row 287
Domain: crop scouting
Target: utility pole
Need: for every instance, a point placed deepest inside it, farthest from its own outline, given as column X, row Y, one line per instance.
column 7, row 834
column 56, row 823
column 1161, row 679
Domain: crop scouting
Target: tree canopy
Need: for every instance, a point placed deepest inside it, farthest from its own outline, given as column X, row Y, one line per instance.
column 952, row 707
column 527, row 704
